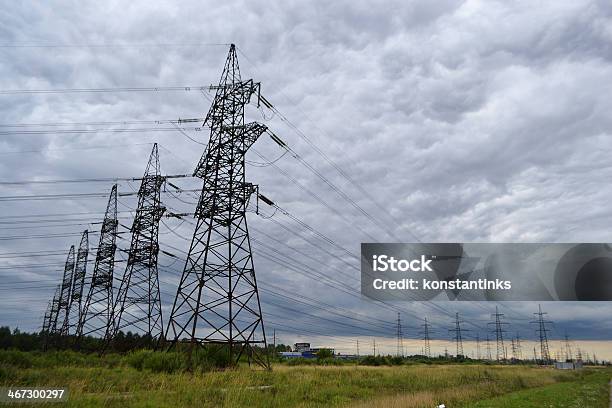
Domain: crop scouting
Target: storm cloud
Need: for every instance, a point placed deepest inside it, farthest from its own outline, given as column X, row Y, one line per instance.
column 463, row 121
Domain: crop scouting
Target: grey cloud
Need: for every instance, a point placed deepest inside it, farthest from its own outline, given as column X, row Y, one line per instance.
column 467, row 121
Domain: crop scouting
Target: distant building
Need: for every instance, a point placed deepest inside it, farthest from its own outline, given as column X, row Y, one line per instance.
column 301, row 347
column 314, row 350
column 291, row 354
column 568, row 365
column 303, row 350
column 346, row 356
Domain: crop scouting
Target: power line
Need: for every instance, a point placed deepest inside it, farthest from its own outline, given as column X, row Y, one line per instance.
column 125, row 45
column 105, row 90
column 81, row 180
column 100, row 123
column 113, row 146
column 88, row 131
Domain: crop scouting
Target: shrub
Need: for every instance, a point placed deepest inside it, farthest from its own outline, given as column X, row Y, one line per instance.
column 300, row 361
column 156, row 361
column 164, row 362
column 374, row 361
column 397, row 360
column 8, row 373
column 16, row 358
column 324, row 353
column 136, row 358
column 213, row 356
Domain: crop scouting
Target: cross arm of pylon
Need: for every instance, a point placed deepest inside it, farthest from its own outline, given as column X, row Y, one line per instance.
column 244, row 88
column 251, row 133
column 246, row 135
column 241, row 91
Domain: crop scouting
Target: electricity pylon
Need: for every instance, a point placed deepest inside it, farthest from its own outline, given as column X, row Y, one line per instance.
column 47, row 318
column 519, row 351
column 542, row 331
column 78, row 283
column 400, row 339
column 138, row 303
column 579, row 354
column 51, row 317
column 458, row 335
column 61, row 321
column 426, row 332
column 499, row 334
column 217, row 301
column 568, row 349
column 98, row 305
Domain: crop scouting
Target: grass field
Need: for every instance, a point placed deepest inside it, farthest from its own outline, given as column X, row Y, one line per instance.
column 116, row 381
column 589, row 391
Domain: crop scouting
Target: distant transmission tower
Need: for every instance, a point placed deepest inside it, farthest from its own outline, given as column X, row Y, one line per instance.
column 47, row 318
column 51, row 317
column 568, row 349
column 55, row 309
column 78, row 283
column 98, row 306
column 400, row 340
column 499, row 334
column 519, row 351
column 426, row 332
column 542, row 331
column 61, row 323
column 217, row 300
column 138, row 302
column 458, row 336
column 489, row 357
column 478, row 355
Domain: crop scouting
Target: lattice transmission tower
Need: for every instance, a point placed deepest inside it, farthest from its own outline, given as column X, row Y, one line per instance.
column 97, row 309
column 499, row 334
column 519, row 349
column 569, row 355
column 61, row 320
column 78, row 283
column 47, row 318
column 400, row 337
column 458, row 337
column 426, row 338
column 51, row 317
column 138, row 303
column 542, row 332
column 217, row 300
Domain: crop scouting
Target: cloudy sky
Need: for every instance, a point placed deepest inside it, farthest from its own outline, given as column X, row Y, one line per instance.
column 454, row 121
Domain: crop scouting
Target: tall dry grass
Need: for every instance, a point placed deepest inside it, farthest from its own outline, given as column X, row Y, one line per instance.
column 122, row 384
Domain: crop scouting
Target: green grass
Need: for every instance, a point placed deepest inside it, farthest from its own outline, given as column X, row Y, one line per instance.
column 146, row 379
column 589, row 391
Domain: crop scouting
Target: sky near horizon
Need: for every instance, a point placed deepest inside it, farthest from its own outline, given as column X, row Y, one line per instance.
column 462, row 121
